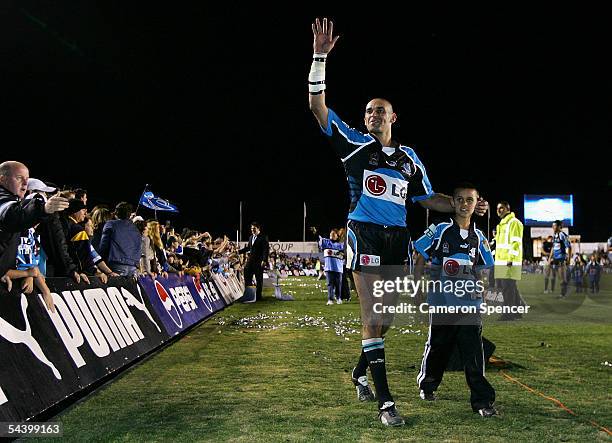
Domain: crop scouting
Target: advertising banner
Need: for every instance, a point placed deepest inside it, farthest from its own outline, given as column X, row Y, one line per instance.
column 95, row 330
column 181, row 302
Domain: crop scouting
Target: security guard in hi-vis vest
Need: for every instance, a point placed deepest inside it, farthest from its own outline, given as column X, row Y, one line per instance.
column 509, row 257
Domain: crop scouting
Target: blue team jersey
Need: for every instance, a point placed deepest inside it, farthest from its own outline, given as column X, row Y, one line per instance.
column 28, row 251
column 561, row 244
column 333, row 253
column 379, row 182
column 94, row 255
column 456, row 255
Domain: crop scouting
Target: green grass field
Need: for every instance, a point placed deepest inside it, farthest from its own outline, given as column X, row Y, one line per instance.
column 280, row 371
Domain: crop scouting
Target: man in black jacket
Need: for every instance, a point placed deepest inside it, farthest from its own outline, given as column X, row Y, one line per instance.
column 17, row 214
column 258, row 248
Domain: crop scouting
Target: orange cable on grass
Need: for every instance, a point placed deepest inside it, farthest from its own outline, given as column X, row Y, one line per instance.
column 554, row 400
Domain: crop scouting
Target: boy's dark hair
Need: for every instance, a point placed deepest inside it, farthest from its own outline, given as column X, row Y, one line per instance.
column 123, row 210
column 504, row 203
column 256, row 224
column 79, row 193
column 465, row 185
column 558, row 223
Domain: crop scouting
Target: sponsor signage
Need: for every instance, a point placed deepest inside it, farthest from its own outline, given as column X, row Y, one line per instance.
column 229, row 287
column 288, row 247
column 181, row 302
column 384, row 187
column 46, row 357
column 96, row 330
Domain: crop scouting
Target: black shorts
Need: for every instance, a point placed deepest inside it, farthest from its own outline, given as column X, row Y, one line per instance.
column 370, row 246
column 556, row 262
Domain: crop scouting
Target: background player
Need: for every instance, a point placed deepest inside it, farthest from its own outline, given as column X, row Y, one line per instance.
column 560, row 256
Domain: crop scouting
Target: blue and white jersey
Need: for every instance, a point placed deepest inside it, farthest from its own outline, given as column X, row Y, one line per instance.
column 333, row 253
column 380, row 178
column 456, row 256
column 94, row 255
column 561, row 244
column 28, row 251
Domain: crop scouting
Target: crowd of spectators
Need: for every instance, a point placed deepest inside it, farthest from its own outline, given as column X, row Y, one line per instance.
column 284, row 262
column 45, row 233
column 601, row 257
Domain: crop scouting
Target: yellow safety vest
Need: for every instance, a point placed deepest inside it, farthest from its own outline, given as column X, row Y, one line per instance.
column 509, row 248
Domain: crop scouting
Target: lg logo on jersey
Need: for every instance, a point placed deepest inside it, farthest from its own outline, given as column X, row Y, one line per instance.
column 369, row 260
column 376, row 184
column 387, row 188
column 451, row 267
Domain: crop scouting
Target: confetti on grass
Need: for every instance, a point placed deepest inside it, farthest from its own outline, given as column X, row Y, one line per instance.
column 342, row 327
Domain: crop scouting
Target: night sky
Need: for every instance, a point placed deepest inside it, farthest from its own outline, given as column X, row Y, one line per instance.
column 209, row 106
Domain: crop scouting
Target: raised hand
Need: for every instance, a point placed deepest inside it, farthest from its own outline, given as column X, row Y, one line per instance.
column 481, row 207
column 323, row 33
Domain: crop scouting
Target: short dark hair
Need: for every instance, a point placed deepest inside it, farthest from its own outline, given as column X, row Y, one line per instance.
column 141, row 225
column 558, row 223
column 123, row 210
column 465, row 185
column 504, row 203
column 79, row 193
column 256, row 224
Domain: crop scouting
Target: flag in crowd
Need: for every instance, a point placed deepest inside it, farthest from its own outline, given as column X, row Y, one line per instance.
column 149, row 200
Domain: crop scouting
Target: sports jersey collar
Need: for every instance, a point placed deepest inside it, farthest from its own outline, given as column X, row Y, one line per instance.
column 394, row 143
column 456, row 227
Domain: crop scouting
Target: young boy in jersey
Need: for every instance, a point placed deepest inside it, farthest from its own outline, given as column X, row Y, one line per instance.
column 578, row 273
column 459, row 253
column 593, row 270
column 27, row 263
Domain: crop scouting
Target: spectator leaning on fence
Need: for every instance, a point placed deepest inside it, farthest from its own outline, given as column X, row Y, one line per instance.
column 97, row 258
column 16, row 214
column 79, row 245
column 160, row 261
column 147, row 256
column 99, row 216
column 53, row 239
column 121, row 243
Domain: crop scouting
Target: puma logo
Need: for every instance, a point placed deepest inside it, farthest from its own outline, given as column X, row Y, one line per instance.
column 17, row 336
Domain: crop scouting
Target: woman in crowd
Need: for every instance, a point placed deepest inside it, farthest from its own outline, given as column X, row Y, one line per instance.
column 99, row 216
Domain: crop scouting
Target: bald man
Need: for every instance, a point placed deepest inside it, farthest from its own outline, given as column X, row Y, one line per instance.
column 382, row 175
column 17, row 214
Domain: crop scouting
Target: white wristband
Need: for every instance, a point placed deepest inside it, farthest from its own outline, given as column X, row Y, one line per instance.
column 316, row 77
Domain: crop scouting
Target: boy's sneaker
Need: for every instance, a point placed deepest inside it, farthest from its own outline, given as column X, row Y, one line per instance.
column 364, row 392
column 488, row 411
column 427, row 396
column 329, row 302
column 389, row 416
column 338, row 301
